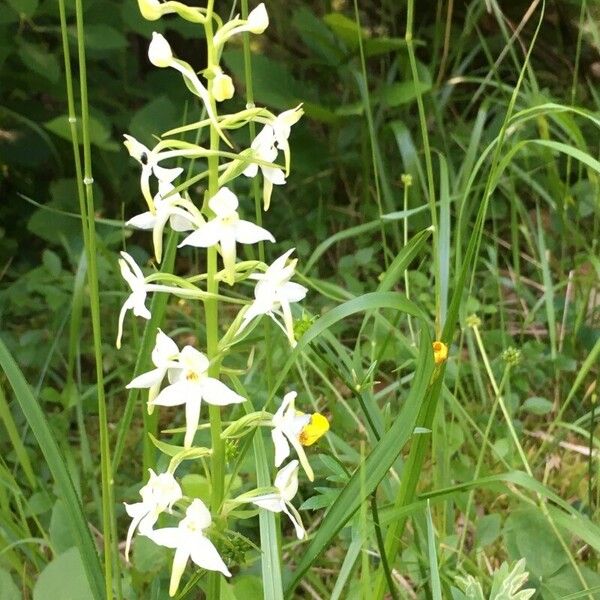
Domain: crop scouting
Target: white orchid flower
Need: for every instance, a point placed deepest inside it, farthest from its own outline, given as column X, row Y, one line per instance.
column 189, row 541
column 257, row 22
column 158, row 495
column 282, row 127
column 181, row 214
column 274, row 293
column 286, row 483
column 149, row 161
column 137, row 299
column 294, row 427
column 165, row 357
column 226, row 229
column 264, row 150
column 190, row 385
column 161, row 55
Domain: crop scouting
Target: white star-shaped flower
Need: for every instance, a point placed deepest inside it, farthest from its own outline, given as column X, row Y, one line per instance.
column 158, row 495
column 189, row 541
column 165, row 357
column 137, row 299
column 170, row 207
column 286, row 483
column 226, row 229
column 274, row 293
column 190, row 384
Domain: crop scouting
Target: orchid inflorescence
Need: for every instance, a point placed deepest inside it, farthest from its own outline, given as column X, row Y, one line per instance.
column 191, row 375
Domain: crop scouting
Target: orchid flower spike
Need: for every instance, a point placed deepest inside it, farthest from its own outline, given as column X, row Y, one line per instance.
column 286, row 483
column 152, row 10
column 181, row 214
column 149, row 161
column 263, row 147
column 165, row 357
column 189, row 541
column 158, row 495
column 257, row 22
column 274, row 293
column 137, row 299
column 190, row 384
column 226, row 229
column 161, row 55
column 294, row 427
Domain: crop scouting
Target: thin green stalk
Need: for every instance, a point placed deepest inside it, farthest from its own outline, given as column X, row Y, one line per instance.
column 428, row 165
column 372, row 137
column 407, row 180
column 211, row 311
column 91, row 251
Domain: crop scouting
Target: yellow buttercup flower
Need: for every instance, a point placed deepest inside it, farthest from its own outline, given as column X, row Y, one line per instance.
column 440, row 352
column 316, row 428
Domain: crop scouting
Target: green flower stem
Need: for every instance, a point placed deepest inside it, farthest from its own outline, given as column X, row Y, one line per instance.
column 108, row 520
column 211, row 309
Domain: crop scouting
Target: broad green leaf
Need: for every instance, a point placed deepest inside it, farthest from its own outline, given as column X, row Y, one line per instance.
column 56, row 463
column 8, row 589
column 63, row 578
column 24, row 7
column 99, row 134
column 537, row 406
column 104, row 37
column 40, row 61
column 402, row 92
column 344, row 28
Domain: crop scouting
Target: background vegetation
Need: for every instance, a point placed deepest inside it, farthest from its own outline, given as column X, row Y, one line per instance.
column 509, row 473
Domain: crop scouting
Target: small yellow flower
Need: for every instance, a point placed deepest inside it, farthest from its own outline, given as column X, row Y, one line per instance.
column 440, row 352
column 316, row 428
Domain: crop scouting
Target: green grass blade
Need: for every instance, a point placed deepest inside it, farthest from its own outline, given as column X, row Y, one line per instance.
column 434, row 573
column 56, row 463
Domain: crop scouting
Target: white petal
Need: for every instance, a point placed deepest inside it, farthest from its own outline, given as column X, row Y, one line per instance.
column 286, row 481
column 135, row 270
column 193, row 360
column 228, row 252
column 138, row 299
column 295, row 519
column 207, row 235
column 272, row 502
column 136, row 512
column 224, row 202
column 282, row 448
column 198, row 514
column 166, row 175
column 249, row 233
column 181, row 220
column 206, row 556
column 176, row 394
column 169, row 537
column 179, row 562
column 126, row 306
column 251, row 170
column 274, row 175
column 192, row 418
column 217, row 393
column 144, row 221
column 292, row 292
column 147, row 380
column 165, row 350
column 302, row 456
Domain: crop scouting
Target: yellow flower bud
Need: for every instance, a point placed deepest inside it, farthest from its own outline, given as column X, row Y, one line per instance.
column 316, row 428
column 159, row 52
column 222, row 87
column 440, row 352
column 150, row 9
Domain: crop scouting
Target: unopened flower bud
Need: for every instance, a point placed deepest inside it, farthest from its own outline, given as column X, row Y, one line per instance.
column 511, row 356
column 406, row 179
column 159, row 52
column 258, row 19
column 473, row 321
column 150, row 9
column 222, row 87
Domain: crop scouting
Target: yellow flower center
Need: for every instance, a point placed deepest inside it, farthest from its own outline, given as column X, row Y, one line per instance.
column 316, row 428
column 440, row 352
column 192, row 376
